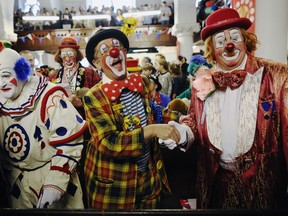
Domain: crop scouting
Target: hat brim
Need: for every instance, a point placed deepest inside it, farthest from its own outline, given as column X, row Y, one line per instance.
column 103, row 34
column 68, row 46
column 159, row 86
column 225, row 24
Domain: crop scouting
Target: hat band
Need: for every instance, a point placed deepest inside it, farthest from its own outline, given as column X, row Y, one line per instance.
column 68, row 44
column 223, row 21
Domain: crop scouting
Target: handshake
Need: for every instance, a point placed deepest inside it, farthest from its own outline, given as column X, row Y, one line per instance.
column 171, row 144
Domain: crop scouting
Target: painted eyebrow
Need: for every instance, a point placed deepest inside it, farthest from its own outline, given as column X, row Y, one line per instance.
column 6, row 72
column 219, row 35
column 234, row 31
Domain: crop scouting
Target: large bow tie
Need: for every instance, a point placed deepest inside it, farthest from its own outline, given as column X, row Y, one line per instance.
column 114, row 88
column 232, row 79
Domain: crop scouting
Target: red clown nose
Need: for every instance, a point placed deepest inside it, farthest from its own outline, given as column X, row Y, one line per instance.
column 229, row 47
column 114, row 52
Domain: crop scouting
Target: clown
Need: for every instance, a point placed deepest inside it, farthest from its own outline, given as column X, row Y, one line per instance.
column 41, row 138
column 123, row 166
column 241, row 125
column 72, row 72
column 78, row 78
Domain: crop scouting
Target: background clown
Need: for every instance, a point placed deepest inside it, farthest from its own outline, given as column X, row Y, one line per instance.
column 41, row 138
column 72, row 72
column 239, row 119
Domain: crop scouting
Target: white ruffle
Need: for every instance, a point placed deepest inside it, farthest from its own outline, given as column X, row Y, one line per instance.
column 27, row 100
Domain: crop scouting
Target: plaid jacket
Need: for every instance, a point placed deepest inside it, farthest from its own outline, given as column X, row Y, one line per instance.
column 111, row 157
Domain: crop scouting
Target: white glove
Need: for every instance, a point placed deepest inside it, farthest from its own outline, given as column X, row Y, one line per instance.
column 48, row 197
column 169, row 143
column 181, row 129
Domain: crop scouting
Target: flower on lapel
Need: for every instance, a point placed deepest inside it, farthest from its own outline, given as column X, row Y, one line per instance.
column 81, row 71
column 203, row 84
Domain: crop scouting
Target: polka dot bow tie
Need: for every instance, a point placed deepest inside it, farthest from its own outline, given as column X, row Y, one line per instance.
column 113, row 90
column 233, row 79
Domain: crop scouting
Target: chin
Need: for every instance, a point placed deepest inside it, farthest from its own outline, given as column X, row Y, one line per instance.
column 123, row 76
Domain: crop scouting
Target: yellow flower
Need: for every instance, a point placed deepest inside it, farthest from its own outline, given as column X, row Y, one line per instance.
column 81, row 72
column 129, row 25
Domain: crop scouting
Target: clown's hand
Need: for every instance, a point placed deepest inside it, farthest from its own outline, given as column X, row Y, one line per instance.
column 169, row 143
column 48, row 197
column 77, row 102
column 182, row 131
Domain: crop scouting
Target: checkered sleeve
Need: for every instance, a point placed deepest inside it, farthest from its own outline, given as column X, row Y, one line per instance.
column 106, row 136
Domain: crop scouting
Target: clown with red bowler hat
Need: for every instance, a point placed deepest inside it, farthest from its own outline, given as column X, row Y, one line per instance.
column 239, row 120
column 72, row 72
column 123, row 167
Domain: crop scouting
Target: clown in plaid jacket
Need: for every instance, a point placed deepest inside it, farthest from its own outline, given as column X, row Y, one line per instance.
column 111, row 157
column 123, row 165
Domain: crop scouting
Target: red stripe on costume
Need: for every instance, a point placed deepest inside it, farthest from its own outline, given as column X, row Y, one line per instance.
column 64, row 169
column 70, row 138
column 35, row 192
column 45, row 99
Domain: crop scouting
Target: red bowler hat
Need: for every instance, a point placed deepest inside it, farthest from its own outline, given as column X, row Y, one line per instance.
column 223, row 19
column 68, row 42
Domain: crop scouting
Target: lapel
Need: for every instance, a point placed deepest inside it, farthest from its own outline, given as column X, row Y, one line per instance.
column 79, row 77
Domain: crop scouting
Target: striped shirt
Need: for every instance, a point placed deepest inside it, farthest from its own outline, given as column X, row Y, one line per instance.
column 133, row 106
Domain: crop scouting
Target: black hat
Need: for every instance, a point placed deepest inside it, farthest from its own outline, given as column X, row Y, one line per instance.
column 156, row 80
column 103, row 34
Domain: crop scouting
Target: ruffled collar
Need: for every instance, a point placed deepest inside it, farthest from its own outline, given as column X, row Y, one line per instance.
column 27, row 100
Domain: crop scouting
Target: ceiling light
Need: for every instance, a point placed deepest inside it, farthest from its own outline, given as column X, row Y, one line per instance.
column 92, row 17
column 142, row 13
column 140, row 50
column 40, row 18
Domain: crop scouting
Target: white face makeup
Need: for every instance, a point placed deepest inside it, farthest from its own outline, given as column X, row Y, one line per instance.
column 10, row 86
column 229, row 48
column 112, row 58
column 68, row 56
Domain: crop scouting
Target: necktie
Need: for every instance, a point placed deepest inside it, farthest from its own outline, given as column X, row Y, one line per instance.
column 232, row 79
column 113, row 89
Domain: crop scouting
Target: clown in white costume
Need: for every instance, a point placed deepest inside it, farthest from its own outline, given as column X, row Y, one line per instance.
column 40, row 138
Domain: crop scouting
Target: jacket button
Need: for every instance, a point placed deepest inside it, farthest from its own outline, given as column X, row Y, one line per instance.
column 159, row 164
column 211, row 151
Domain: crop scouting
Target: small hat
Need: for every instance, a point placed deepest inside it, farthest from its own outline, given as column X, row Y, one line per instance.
column 103, row 34
column 156, row 80
column 223, row 19
column 68, row 42
column 133, row 65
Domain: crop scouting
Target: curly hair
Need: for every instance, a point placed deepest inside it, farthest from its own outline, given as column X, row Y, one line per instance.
column 250, row 39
